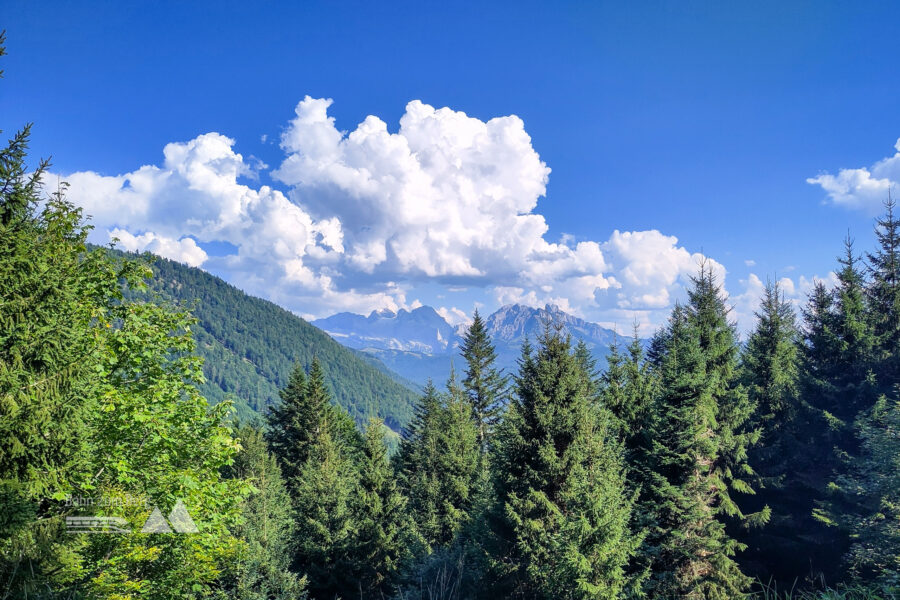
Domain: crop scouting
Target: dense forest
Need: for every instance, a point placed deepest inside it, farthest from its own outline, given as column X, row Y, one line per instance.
column 698, row 468
column 249, row 347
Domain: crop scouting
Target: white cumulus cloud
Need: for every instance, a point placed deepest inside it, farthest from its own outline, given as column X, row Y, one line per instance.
column 368, row 215
column 864, row 188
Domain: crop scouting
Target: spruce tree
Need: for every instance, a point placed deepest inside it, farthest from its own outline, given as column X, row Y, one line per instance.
column 587, row 365
column 838, row 386
column 612, row 387
column 770, row 369
column 560, row 525
column 439, row 464
column 883, row 293
column 343, row 428
column 695, row 453
column 638, row 392
column 293, row 424
column 484, row 384
column 385, row 537
column 872, row 487
column 462, row 465
column 417, row 464
column 267, row 527
column 327, row 529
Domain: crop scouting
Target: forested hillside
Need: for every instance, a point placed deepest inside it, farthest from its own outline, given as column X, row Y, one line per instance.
column 250, row 346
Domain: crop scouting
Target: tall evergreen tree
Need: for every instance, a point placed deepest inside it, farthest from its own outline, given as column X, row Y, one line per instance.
column 484, row 384
column 884, row 298
column 385, row 537
column 561, row 519
column 587, row 365
column 295, row 423
column 770, row 369
column 612, row 385
column 838, row 386
column 267, row 526
column 850, row 378
column 872, row 487
column 638, row 391
column 292, row 424
column 417, row 465
column 327, row 530
column 439, row 464
column 342, row 427
column 696, row 455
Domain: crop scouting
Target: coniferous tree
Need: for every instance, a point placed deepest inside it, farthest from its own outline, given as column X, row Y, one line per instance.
column 484, row 384
column 872, row 485
column 462, row 463
column 638, row 391
column 883, row 293
column 587, row 364
column 770, row 368
column 612, row 388
column 838, row 386
column 341, row 424
column 439, row 464
column 697, row 442
column 293, row 424
column 267, row 527
column 385, row 537
column 326, row 525
column 561, row 518
column 417, row 465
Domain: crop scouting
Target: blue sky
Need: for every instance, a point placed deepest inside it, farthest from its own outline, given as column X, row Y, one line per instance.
column 701, row 121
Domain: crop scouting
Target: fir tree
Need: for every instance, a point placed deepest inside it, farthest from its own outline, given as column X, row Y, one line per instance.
column 461, row 463
column 638, row 393
column 873, row 488
column 883, row 293
column 854, row 331
column 267, row 527
column 561, row 519
column 484, row 384
column 697, row 442
column 587, row 365
column 294, row 424
column 326, row 526
column 417, row 465
column 439, row 464
column 770, row 369
column 341, row 424
column 838, row 386
column 385, row 529
column 612, row 386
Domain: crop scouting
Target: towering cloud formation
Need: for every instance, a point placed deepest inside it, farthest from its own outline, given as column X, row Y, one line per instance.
column 369, row 215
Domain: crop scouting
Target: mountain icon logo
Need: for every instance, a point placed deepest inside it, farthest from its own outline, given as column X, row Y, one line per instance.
column 179, row 519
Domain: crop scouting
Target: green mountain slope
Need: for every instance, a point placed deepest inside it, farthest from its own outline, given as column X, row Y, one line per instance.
column 250, row 345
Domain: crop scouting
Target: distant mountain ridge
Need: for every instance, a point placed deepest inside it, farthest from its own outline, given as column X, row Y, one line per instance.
column 421, row 345
column 419, row 330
